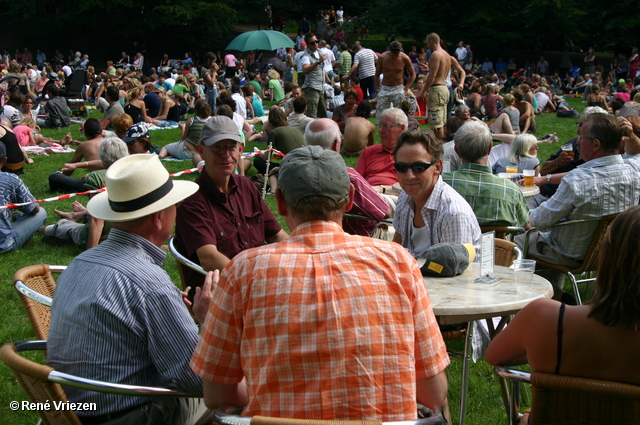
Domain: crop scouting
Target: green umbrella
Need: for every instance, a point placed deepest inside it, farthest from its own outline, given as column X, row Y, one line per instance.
column 260, row 40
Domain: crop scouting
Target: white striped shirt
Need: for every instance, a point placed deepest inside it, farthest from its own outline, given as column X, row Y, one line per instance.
column 366, row 61
column 600, row 187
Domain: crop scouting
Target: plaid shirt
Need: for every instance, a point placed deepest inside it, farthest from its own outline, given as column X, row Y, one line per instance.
column 324, row 325
column 494, row 200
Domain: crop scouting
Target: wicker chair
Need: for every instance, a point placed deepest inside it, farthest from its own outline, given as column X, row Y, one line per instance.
column 223, row 419
column 560, row 399
column 505, row 252
column 590, row 262
column 35, row 286
column 42, row 383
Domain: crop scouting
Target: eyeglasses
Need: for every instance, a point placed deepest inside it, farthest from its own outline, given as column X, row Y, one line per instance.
column 313, row 42
column 534, row 147
column 416, row 167
column 222, row 148
column 387, row 126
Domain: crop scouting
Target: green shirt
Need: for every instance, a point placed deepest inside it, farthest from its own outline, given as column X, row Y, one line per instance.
column 180, row 89
column 494, row 200
column 257, row 88
column 278, row 93
column 345, row 63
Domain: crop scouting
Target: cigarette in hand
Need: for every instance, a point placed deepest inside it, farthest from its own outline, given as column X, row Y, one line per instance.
column 187, row 289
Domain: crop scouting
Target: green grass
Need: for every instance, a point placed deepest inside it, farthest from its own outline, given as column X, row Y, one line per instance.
column 484, row 403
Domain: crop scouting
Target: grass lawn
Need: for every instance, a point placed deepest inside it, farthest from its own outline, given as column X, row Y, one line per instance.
column 484, row 403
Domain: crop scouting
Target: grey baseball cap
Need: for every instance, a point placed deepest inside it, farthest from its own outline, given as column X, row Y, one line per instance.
column 446, row 259
column 217, row 128
column 313, row 171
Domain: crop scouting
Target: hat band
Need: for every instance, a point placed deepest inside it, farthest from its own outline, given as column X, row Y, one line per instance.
column 143, row 201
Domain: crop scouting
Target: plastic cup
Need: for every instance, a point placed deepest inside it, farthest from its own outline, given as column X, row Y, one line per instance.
column 567, row 149
column 524, row 270
column 528, row 177
column 511, row 170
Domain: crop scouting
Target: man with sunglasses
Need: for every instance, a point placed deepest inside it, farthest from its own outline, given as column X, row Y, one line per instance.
column 313, row 69
column 495, row 201
column 429, row 211
column 227, row 214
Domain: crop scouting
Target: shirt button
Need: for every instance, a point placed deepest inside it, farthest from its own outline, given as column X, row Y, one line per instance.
column 221, row 233
column 246, row 243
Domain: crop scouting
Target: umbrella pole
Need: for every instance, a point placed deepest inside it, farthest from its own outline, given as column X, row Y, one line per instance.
column 266, row 174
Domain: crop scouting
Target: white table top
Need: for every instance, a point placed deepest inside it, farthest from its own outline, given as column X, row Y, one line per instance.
column 459, row 299
column 529, row 191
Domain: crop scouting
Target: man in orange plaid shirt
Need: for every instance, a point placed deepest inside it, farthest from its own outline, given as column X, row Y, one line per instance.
column 324, row 325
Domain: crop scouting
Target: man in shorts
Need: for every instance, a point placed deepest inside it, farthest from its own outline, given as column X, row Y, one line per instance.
column 392, row 66
column 439, row 67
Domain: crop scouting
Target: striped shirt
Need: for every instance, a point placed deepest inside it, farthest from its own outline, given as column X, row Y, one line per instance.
column 117, row 317
column 324, row 325
column 366, row 61
column 495, row 201
column 600, row 187
column 344, row 62
column 447, row 216
column 367, row 203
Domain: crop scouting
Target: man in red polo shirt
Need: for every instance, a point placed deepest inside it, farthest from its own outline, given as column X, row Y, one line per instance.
column 376, row 162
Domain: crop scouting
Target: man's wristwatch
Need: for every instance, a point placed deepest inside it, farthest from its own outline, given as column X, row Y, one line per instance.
column 548, row 178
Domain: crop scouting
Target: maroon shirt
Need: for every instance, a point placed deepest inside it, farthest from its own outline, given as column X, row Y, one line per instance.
column 233, row 224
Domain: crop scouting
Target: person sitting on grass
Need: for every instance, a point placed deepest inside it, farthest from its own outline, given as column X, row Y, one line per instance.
column 56, row 110
column 78, row 227
column 186, row 148
column 85, row 156
column 25, row 133
column 16, row 228
column 138, row 140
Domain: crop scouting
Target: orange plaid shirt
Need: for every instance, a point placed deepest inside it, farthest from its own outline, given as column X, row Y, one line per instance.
column 324, row 325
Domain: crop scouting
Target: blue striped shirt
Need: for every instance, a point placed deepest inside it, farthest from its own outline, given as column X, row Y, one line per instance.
column 117, row 317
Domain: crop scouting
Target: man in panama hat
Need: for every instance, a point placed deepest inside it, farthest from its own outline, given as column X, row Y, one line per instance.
column 116, row 315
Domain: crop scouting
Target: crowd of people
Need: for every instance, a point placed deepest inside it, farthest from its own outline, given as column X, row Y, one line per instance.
column 332, row 320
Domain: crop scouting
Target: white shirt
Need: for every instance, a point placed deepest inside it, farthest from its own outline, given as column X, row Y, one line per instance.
column 461, row 53
column 241, row 105
column 328, row 61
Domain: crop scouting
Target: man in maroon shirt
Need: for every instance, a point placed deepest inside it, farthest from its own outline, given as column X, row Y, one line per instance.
column 226, row 215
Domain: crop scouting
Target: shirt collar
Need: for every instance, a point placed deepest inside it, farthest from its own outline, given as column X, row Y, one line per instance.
column 156, row 254
column 207, row 186
column 602, row 162
column 469, row 166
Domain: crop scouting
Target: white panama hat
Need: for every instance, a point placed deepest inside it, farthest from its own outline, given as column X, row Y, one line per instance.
column 138, row 185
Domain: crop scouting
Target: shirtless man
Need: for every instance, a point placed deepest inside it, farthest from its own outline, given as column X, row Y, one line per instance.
column 392, row 65
column 439, row 67
column 86, row 154
column 359, row 132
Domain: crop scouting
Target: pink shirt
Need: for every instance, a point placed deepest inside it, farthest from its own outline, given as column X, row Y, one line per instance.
column 230, row 60
column 22, row 134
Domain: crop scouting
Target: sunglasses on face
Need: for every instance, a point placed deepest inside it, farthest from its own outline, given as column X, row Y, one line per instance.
column 416, row 167
column 313, row 42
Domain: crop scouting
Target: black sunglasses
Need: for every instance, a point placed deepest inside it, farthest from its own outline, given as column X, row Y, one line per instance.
column 312, row 42
column 416, row 167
